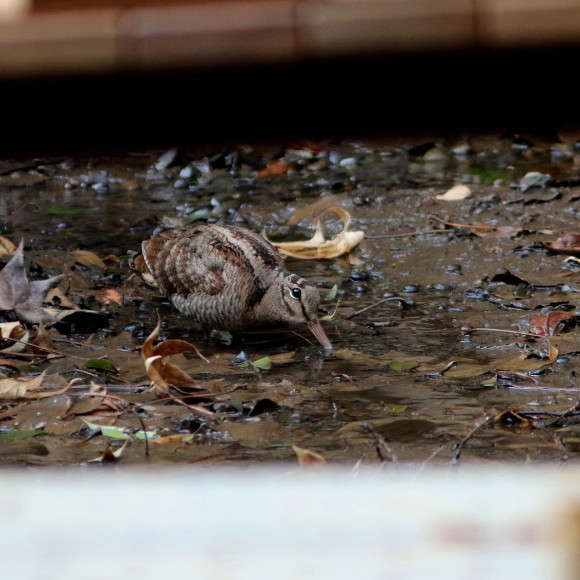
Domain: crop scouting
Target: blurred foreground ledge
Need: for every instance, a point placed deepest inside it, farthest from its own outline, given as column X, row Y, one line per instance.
column 49, row 37
column 286, row 524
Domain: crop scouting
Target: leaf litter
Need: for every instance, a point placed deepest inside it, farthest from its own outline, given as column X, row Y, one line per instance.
column 87, row 393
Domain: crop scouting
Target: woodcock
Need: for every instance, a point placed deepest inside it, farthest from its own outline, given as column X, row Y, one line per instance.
column 229, row 278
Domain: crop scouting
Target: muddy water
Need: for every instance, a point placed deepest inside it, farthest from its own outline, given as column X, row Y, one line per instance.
column 385, row 392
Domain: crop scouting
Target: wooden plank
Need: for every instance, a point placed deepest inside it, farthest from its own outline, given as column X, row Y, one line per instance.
column 59, row 43
column 233, row 33
column 339, row 27
column 528, row 23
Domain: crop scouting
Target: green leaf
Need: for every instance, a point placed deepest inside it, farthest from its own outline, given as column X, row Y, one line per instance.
column 331, row 295
column 142, row 435
column 101, row 364
column 263, row 364
column 18, row 434
column 120, row 432
column 108, row 430
column 403, row 365
column 396, row 408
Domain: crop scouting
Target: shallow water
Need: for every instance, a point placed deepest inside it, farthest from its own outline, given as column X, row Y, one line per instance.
column 381, row 394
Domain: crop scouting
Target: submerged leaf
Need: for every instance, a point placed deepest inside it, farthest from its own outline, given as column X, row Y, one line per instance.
column 318, row 247
column 101, row 364
column 19, row 434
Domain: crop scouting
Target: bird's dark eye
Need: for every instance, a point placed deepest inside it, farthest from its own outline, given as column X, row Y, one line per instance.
column 296, row 293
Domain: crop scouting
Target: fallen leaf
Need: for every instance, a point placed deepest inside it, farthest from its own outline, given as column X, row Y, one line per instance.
column 314, row 209
column 526, row 362
column 120, row 432
column 110, row 455
column 101, row 364
column 552, row 323
column 165, row 375
column 262, row 364
column 533, row 179
column 26, row 388
column 456, row 193
column 279, row 167
column 176, row 438
column 86, row 258
column 569, row 244
column 318, row 247
column 308, row 458
column 403, row 365
column 21, row 296
column 7, row 248
column 19, row 434
column 331, row 294
column 13, row 331
column 111, row 295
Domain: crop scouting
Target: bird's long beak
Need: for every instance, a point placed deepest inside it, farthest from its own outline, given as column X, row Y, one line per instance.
column 317, row 330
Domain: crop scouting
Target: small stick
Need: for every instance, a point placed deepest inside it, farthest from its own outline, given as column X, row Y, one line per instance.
column 461, row 444
column 454, row 225
column 406, row 235
column 518, row 332
column 373, row 305
column 384, row 450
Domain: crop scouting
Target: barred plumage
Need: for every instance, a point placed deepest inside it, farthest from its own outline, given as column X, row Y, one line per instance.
column 229, row 278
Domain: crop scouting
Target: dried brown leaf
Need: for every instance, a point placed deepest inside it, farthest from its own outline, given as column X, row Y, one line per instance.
column 279, row 167
column 13, row 331
column 320, row 248
column 165, row 375
column 87, row 258
column 308, row 458
column 7, row 248
column 21, row 296
column 26, row 388
column 552, row 323
column 568, row 244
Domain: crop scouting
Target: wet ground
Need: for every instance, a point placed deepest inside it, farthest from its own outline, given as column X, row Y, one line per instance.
column 409, row 379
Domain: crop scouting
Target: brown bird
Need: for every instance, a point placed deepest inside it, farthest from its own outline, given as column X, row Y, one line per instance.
column 229, row 278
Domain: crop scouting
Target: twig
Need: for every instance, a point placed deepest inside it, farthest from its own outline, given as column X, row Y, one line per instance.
column 470, row 330
column 44, row 348
column 454, row 225
column 461, row 444
column 383, row 449
column 408, row 234
column 135, row 412
column 373, row 306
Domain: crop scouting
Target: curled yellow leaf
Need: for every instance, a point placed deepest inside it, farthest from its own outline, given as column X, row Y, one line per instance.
column 318, row 247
